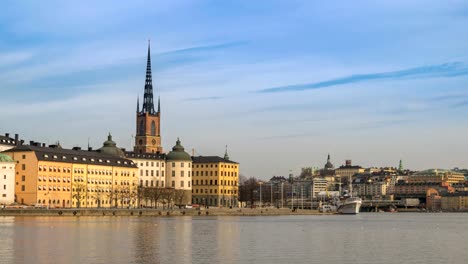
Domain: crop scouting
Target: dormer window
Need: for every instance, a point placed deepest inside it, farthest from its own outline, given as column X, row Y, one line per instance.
column 46, row 156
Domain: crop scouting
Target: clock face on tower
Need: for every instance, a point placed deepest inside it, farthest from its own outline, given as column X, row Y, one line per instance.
column 154, row 141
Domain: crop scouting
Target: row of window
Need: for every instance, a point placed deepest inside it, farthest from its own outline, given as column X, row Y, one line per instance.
column 51, row 179
column 152, row 183
column 215, row 173
column 152, row 173
column 181, row 184
column 152, row 164
column 215, row 166
column 86, row 159
column 182, row 173
column 214, row 191
column 215, row 182
column 53, row 188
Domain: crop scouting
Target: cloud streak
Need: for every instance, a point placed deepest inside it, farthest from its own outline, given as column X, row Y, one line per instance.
column 453, row 69
column 207, row 98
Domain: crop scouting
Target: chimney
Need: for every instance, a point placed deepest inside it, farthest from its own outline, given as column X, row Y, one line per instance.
column 31, row 143
column 22, row 142
column 76, row 148
column 17, row 139
column 348, row 163
column 7, row 135
column 44, row 145
column 90, row 148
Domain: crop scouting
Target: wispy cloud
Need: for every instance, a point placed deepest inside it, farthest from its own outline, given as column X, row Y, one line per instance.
column 207, row 98
column 14, row 58
column 440, row 70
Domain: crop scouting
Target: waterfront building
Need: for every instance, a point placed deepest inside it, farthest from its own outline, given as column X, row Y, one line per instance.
column 55, row 177
column 215, row 181
column 151, row 168
column 7, row 179
column 454, row 201
column 148, row 120
column 179, row 173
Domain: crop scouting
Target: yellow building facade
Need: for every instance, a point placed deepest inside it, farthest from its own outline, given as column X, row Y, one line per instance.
column 437, row 175
column 215, row 181
column 63, row 178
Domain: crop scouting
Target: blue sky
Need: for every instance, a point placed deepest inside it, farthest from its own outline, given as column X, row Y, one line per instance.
column 282, row 83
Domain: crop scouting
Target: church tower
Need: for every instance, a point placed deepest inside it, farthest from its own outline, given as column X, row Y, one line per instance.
column 148, row 136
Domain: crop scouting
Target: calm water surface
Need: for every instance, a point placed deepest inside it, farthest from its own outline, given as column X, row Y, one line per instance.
column 365, row 238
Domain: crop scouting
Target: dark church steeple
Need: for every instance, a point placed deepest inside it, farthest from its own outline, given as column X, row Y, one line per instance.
column 148, row 137
column 148, row 104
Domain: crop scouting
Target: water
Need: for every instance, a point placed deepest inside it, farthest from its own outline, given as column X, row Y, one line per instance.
column 365, row 238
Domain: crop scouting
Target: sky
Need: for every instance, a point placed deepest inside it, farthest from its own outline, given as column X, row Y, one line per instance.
column 281, row 83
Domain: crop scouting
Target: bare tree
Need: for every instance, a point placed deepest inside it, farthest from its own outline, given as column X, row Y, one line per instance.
column 79, row 193
column 98, row 195
column 247, row 189
column 179, row 197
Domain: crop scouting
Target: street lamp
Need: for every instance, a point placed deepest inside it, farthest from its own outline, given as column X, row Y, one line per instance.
column 261, row 183
column 271, row 194
column 282, row 203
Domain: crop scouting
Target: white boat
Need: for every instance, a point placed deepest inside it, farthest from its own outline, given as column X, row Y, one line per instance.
column 352, row 205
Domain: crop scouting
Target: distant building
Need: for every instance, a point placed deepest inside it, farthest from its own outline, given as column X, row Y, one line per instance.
column 7, row 179
column 454, row 201
column 6, row 142
column 348, row 170
column 318, row 185
column 437, row 175
column 328, row 169
column 215, row 181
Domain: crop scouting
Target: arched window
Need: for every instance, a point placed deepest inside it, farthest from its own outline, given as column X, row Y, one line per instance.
column 153, row 128
column 142, row 127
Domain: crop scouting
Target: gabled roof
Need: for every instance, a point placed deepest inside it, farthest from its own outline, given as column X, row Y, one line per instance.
column 211, row 159
column 74, row 156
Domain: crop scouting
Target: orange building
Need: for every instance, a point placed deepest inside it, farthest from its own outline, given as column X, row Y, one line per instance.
column 56, row 177
column 215, row 181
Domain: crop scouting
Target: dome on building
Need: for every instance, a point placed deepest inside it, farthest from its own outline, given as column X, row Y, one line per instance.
column 178, row 153
column 329, row 165
column 110, row 148
column 5, row 158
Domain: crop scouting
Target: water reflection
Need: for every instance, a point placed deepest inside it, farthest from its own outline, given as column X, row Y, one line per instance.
column 367, row 238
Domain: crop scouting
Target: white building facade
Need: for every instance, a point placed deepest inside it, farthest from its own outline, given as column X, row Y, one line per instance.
column 7, row 180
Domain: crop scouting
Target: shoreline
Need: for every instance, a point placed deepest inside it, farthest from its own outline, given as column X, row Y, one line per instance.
column 74, row 212
column 157, row 212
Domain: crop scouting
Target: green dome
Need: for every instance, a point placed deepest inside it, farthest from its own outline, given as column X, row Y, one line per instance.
column 110, row 148
column 178, row 153
column 5, row 158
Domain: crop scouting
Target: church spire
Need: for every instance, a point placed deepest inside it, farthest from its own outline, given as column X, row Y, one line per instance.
column 148, row 105
column 159, row 104
column 226, row 156
column 138, row 104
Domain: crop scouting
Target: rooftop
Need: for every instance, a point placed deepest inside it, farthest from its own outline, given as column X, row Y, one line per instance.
column 211, row 159
column 74, row 156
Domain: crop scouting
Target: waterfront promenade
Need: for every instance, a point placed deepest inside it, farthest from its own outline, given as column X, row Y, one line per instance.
column 156, row 212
